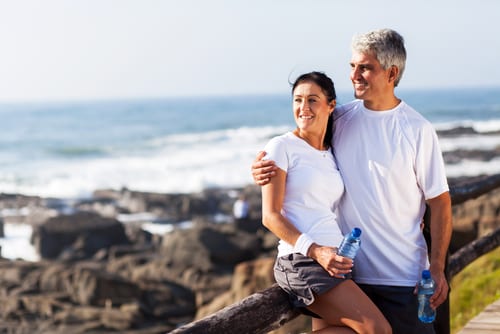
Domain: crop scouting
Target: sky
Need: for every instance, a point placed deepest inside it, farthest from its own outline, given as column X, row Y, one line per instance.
column 114, row 49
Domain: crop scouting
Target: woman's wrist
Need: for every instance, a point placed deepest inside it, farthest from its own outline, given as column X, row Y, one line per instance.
column 303, row 244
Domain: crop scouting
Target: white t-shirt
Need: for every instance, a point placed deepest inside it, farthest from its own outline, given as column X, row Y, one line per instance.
column 391, row 163
column 313, row 188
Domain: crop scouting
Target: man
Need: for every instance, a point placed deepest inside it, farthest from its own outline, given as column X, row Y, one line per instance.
column 392, row 166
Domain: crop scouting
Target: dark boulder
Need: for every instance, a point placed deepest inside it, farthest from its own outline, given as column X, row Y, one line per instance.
column 82, row 233
column 208, row 246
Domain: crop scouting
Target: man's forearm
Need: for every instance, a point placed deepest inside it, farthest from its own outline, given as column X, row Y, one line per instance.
column 441, row 229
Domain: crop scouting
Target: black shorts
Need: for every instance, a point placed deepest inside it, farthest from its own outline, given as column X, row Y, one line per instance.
column 303, row 278
column 400, row 307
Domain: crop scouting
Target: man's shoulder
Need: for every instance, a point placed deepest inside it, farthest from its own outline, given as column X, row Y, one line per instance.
column 344, row 109
column 413, row 116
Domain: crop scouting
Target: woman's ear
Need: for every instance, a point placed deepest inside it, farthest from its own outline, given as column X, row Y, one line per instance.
column 332, row 104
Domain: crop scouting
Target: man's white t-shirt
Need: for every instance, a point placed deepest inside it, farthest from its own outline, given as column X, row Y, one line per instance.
column 391, row 163
column 313, row 188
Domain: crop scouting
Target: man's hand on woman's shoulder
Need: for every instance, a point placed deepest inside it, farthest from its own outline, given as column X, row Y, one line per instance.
column 263, row 170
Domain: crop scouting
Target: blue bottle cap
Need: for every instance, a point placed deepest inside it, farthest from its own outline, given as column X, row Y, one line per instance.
column 426, row 274
column 356, row 232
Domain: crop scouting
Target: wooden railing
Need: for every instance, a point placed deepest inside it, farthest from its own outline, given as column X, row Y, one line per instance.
column 269, row 309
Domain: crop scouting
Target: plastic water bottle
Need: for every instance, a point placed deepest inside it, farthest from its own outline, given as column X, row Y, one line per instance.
column 426, row 288
column 350, row 244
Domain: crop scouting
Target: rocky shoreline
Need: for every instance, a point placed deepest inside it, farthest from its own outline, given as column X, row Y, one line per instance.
column 100, row 272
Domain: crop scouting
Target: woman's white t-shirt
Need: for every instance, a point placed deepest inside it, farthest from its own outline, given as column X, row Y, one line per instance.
column 313, row 189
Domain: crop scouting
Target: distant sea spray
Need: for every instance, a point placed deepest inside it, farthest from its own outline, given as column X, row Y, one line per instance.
column 69, row 149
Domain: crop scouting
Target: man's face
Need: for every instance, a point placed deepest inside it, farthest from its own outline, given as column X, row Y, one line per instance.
column 370, row 81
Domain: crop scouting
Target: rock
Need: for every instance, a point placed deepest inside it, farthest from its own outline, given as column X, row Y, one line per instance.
column 209, row 246
column 100, row 275
column 83, row 233
column 91, row 285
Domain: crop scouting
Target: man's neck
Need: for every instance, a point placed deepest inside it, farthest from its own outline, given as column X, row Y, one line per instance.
column 382, row 104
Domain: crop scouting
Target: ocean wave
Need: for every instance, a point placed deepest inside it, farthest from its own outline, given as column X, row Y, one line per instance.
column 191, row 162
column 484, row 126
column 240, row 134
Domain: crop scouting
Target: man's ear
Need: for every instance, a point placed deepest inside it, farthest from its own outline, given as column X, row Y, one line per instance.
column 393, row 73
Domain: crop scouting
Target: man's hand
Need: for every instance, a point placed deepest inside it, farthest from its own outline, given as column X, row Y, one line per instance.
column 441, row 289
column 263, row 170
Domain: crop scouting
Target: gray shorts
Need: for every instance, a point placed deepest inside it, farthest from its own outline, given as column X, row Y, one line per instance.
column 303, row 278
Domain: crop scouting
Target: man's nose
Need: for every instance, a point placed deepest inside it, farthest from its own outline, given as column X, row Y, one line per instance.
column 355, row 73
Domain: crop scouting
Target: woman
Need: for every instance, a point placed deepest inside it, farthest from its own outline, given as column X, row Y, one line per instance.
column 298, row 206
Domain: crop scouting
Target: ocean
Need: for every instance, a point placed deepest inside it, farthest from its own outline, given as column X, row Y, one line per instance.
column 69, row 149
column 183, row 145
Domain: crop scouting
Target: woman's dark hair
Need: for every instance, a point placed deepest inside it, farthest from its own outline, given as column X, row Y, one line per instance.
column 328, row 88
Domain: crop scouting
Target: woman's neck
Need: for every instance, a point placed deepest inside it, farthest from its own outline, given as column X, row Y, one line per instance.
column 315, row 141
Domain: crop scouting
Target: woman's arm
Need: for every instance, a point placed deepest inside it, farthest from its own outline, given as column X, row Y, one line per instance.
column 273, row 194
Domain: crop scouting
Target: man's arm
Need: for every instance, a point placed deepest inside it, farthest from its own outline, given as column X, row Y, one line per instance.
column 263, row 170
column 441, row 230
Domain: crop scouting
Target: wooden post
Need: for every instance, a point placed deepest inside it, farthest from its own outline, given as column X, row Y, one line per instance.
column 259, row 313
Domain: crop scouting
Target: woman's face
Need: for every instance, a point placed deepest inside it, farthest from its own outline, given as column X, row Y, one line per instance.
column 311, row 108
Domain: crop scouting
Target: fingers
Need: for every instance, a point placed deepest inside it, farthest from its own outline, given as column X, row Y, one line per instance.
column 263, row 170
column 259, row 156
column 262, row 182
column 262, row 176
column 338, row 272
column 264, row 165
column 335, row 265
column 340, row 266
column 441, row 291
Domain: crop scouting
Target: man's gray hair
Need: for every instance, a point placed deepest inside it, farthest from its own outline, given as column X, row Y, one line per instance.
column 386, row 45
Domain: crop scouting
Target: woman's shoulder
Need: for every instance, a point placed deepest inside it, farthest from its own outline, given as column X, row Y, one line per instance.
column 283, row 138
column 279, row 141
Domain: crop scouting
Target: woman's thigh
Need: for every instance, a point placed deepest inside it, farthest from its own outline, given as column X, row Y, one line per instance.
column 347, row 305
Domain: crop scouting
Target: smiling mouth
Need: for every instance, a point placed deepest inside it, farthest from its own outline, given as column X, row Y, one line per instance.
column 359, row 85
column 305, row 117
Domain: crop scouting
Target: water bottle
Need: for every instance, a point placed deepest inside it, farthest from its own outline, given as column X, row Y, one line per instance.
column 350, row 244
column 425, row 290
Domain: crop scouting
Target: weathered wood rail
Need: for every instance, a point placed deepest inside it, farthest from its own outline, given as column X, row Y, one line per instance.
column 269, row 309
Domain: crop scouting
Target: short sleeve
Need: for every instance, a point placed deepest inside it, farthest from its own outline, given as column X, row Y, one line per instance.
column 430, row 168
column 276, row 149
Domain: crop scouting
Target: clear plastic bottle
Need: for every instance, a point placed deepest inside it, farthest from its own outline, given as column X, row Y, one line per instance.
column 350, row 244
column 426, row 288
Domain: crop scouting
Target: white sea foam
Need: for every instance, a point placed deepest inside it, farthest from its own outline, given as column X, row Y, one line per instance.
column 470, row 142
column 188, row 162
column 479, row 126
column 473, row 168
column 181, row 163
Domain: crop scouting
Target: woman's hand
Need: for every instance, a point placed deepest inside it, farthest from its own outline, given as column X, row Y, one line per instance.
column 336, row 265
